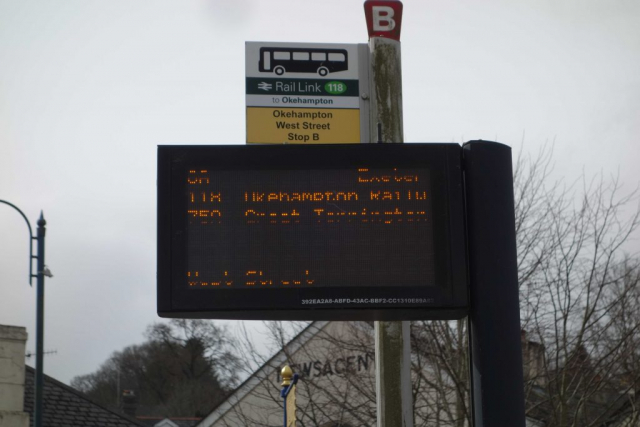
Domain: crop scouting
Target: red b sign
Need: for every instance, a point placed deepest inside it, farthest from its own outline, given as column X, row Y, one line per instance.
column 383, row 18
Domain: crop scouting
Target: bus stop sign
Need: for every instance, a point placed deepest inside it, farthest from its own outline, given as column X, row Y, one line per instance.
column 384, row 18
column 303, row 93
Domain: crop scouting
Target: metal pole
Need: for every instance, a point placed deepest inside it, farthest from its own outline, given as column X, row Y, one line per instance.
column 392, row 339
column 40, row 323
column 494, row 319
column 31, row 238
column 38, row 409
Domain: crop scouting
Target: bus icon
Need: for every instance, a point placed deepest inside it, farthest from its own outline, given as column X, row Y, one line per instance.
column 282, row 60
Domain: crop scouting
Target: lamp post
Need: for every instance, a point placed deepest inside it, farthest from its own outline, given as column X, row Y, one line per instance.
column 40, row 273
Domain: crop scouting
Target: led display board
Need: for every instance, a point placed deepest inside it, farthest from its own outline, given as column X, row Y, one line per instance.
column 363, row 231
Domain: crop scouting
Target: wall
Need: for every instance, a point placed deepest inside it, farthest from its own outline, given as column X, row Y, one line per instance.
column 12, row 348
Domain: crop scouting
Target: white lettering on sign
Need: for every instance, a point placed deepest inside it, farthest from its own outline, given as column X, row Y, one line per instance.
column 383, row 18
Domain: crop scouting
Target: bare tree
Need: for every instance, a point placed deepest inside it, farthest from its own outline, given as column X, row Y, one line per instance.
column 573, row 301
column 441, row 373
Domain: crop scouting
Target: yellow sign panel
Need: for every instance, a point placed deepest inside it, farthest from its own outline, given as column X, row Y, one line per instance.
column 267, row 125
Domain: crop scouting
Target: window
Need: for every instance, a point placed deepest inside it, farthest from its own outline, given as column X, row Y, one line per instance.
column 301, row 56
column 319, row 56
column 336, row 57
column 282, row 55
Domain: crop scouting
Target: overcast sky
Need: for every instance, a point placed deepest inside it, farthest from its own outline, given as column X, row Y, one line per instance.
column 88, row 89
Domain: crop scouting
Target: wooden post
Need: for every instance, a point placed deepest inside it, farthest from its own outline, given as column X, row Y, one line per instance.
column 386, row 91
column 392, row 339
column 393, row 374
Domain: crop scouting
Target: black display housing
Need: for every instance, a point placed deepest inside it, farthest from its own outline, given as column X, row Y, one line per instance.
column 410, row 248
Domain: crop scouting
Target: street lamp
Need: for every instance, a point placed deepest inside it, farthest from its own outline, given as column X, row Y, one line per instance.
column 42, row 271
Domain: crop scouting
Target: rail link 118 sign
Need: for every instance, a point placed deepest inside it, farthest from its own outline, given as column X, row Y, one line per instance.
column 367, row 231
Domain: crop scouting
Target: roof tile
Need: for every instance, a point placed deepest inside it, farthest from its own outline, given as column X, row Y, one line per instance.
column 67, row 407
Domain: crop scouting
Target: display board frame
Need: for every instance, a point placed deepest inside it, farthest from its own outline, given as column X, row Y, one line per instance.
column 446, row 299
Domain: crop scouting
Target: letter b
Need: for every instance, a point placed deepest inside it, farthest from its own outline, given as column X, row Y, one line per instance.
column 383, row 18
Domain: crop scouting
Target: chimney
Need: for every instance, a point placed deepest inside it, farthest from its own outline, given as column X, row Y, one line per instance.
column 12, row 343
column 532, row 360
column 129, row 403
